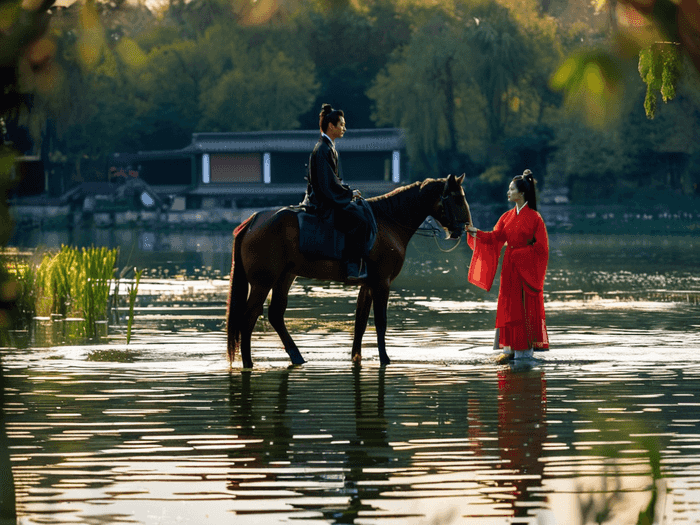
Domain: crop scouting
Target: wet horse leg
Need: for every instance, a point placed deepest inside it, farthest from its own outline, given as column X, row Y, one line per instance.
column 364, row 305
column 381, row 300
column 275, row 314
column 254, row 309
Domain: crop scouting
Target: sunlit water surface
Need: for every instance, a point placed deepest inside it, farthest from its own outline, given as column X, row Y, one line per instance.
column 160, row 431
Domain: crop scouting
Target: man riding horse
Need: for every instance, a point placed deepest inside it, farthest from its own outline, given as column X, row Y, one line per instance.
column 327, row 195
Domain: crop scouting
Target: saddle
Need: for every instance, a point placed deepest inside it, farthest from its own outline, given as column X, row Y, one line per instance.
column 318, row 237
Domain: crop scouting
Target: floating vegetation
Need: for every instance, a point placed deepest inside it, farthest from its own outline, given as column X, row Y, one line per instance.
column 113, row 356
column 319, row 325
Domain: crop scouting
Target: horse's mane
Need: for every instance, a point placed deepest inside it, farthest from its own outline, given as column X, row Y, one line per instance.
column 402, row 203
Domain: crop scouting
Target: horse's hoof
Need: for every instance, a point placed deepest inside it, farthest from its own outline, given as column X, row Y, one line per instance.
column 298, row 360
column 385, row 362
column 357, row 358
column 248, row 366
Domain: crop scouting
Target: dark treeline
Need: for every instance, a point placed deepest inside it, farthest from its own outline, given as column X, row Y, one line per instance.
column 467, row 79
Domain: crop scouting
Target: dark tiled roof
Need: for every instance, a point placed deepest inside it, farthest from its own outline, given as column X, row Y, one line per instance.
column 384, row 139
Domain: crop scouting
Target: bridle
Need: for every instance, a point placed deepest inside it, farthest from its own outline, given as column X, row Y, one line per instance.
column 452, row 222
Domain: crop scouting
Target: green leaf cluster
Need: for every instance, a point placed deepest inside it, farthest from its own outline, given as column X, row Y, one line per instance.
column 660, row 69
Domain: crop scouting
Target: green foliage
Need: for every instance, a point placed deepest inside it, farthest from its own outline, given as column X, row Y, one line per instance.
column 426, row 89
column 349, row 46
column 265, row 88
column 76, row 283
column 496, row 174
column 228, row 78
column 466, row 79
column 659, row 67
column 591, row 81
column 23, row 277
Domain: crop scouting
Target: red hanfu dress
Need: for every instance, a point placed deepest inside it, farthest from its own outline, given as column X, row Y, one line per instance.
column 520, row 319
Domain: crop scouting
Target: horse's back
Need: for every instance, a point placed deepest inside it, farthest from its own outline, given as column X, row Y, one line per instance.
column 271, row 223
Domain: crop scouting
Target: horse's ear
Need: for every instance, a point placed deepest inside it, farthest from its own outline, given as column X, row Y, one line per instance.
column 460, row 179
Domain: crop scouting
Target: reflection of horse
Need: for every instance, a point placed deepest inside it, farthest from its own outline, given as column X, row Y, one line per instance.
column 267, row 417
column 266, row 257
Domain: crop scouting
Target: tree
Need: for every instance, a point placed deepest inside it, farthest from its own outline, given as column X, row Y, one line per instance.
column 427, row 90
column 464, row 83
column 267, row 87
column 501, row 55
column 349, row 45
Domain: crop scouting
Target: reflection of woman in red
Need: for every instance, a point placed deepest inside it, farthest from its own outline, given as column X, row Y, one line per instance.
column 520, row 320
column 522, row 430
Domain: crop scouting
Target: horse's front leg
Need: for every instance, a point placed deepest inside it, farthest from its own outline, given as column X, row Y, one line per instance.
column 364, row 305
column 381, row 300
column 275, row 314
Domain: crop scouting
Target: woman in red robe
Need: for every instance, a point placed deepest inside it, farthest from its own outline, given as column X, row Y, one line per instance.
column 520, row 320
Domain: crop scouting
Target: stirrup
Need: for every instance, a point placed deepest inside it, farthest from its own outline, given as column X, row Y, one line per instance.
column 356, row 271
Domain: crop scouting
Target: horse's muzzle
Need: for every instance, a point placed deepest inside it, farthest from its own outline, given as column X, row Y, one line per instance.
column 456, row 232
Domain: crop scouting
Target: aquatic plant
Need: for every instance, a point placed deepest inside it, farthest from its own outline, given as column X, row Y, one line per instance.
column 133, row 290
column 76, row 283
column 112, row 355
column 21, row 277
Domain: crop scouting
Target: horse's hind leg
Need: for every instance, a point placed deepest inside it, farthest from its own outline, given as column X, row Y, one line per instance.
column 364, row 305
column 275, row 314
column 254, row 309
column 381, row 300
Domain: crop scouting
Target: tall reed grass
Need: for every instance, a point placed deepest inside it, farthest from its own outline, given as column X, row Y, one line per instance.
column 132, row 291
column 72, row 283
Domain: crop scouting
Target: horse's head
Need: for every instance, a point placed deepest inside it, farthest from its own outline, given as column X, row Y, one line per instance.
column 454, row 212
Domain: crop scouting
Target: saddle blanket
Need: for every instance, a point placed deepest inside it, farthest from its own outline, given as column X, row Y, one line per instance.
column 318, row 238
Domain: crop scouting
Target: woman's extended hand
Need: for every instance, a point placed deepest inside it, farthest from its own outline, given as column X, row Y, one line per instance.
column 471, row 230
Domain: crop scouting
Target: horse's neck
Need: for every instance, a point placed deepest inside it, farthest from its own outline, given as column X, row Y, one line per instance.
column 408, row 207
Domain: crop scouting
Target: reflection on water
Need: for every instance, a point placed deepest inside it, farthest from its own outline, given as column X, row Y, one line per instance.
column 343, row 444
column 160, row 431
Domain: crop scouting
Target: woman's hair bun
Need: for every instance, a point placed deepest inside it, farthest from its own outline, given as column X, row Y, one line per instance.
column 326, row 109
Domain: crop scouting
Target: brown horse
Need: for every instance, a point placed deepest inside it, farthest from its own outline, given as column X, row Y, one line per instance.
column 266, row 257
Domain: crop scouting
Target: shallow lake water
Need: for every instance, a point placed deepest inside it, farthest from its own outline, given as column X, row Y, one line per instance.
column 161, row 431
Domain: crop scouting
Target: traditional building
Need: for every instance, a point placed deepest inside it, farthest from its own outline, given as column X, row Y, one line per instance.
column 253, row 169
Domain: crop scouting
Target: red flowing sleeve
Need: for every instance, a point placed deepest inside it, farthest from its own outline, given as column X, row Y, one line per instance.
column 532, row 260
column 487, row 248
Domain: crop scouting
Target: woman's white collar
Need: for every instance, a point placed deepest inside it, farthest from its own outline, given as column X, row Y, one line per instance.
column 518, row 208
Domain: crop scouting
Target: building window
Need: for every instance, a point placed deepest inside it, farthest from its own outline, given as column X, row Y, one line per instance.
column 226, row 167
column 396, row 167
column 205, row 168
column 267, row 177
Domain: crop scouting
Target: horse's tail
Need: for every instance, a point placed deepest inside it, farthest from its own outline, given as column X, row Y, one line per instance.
column 238, row 292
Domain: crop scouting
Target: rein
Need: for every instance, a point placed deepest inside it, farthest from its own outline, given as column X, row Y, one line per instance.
column 431, row 231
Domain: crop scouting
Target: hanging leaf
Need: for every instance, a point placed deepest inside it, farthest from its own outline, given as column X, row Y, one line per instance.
column 660, row 68
column 91, row 41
